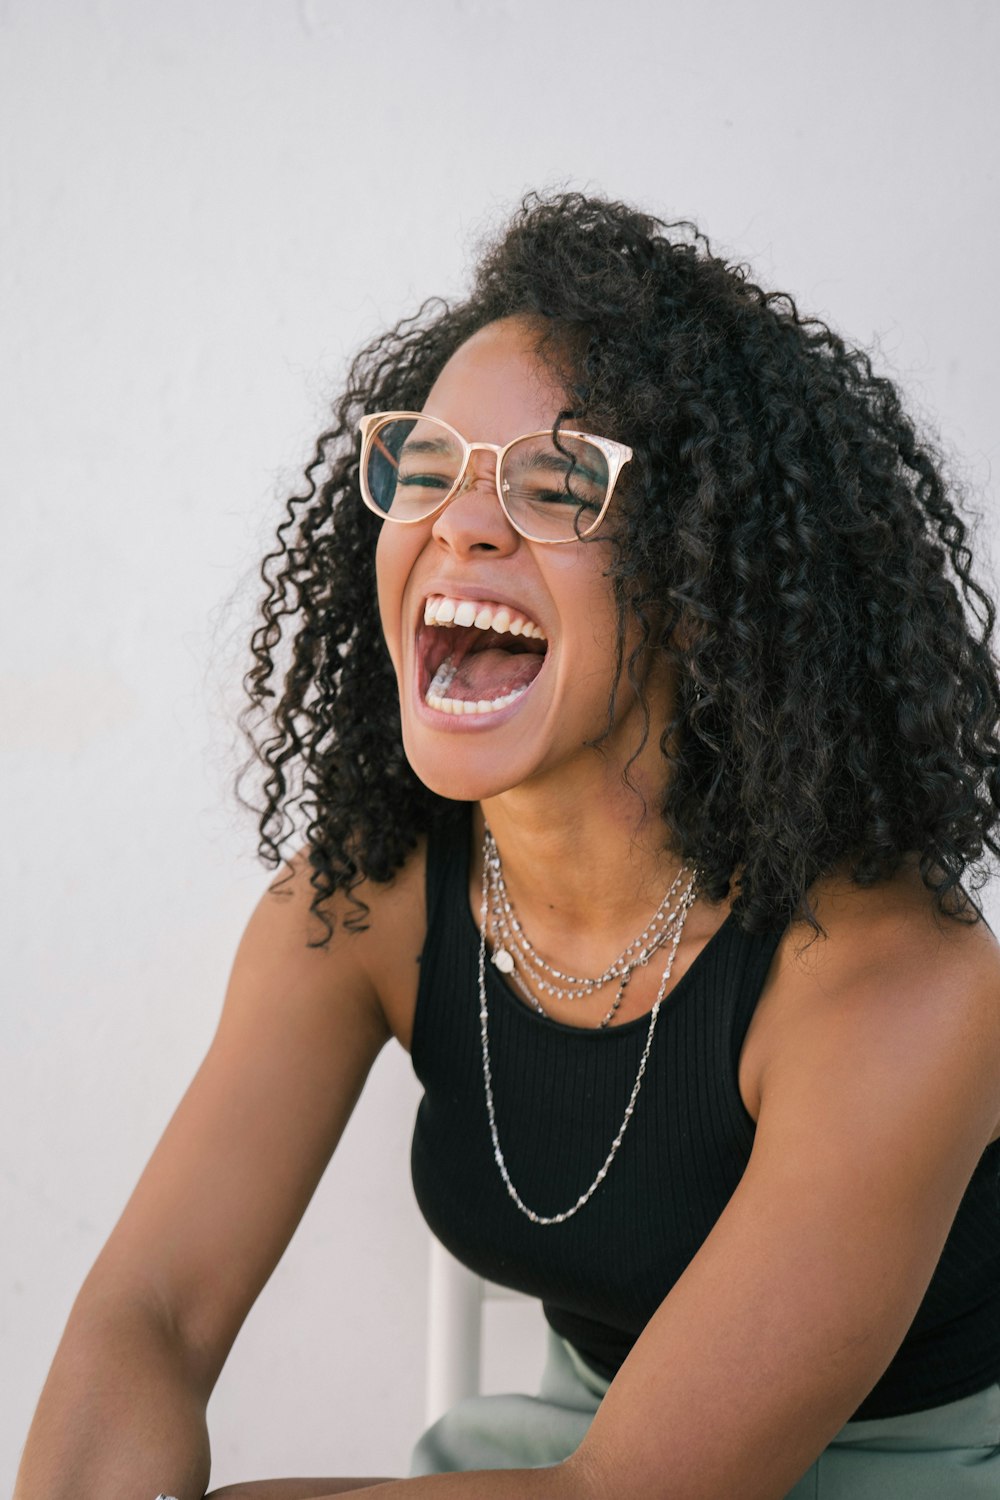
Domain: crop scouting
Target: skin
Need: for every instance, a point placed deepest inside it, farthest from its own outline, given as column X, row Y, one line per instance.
column 871, row 1066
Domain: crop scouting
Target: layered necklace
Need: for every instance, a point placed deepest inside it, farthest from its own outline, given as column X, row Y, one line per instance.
column 512, row 946
column 515, row 956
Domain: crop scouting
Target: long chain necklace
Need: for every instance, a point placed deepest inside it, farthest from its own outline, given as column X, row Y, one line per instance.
column 687, row 900
column 512, row 946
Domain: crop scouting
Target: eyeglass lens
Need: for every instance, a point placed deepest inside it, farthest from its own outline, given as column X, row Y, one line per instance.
column 553, row 488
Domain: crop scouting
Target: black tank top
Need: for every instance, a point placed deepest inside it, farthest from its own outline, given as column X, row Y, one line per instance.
column 560, row 1093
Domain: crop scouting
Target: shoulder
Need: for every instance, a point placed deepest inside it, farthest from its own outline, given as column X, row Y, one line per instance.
column 889, row 939
column 891, row 975
column 383, row 938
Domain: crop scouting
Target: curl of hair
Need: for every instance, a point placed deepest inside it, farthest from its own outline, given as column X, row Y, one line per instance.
column 785, row 537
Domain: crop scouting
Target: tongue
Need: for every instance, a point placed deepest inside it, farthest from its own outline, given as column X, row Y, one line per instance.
column 485, row 675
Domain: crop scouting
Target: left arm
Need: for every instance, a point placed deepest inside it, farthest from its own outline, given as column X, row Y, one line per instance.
column 875, row 1107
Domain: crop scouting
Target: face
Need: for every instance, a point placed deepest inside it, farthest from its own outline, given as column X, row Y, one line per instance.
column 474, row 614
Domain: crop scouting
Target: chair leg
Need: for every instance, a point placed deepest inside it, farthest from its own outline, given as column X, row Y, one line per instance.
column 454, row 1332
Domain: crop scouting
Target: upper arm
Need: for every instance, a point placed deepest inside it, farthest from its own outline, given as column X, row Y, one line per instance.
column 874, row 1111
column 241, row 1156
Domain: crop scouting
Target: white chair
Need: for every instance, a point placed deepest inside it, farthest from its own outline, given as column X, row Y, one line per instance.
column 454, row 1330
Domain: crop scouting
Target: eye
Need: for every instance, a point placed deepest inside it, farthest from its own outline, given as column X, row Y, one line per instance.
column 541, row 492
column 568, row 496
column 424, row 479
column 543, row 474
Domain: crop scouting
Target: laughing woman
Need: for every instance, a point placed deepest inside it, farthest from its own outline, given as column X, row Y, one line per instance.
column 669, row 748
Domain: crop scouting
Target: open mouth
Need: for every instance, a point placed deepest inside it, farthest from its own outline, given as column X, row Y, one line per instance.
column 476, row 657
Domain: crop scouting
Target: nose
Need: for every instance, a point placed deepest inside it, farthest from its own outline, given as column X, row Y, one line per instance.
column 473, row 520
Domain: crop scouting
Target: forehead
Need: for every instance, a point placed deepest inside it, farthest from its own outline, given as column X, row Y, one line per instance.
column 496, row 387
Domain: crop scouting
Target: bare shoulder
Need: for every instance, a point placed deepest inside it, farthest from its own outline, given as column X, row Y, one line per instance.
column 379, row 929
column 880, row 935
column 890, row 966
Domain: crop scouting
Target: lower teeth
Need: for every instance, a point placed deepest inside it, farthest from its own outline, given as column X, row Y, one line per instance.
column 469, row 705
column 442, row 680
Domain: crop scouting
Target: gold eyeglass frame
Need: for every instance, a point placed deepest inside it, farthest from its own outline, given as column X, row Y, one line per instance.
column 616, row 455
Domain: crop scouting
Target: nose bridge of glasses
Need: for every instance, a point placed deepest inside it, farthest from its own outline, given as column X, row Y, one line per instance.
column 481, row 472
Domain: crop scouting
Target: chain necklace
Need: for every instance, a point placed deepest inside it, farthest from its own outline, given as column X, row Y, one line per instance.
column 510, row 939
column 514, row 937
column 687, row 901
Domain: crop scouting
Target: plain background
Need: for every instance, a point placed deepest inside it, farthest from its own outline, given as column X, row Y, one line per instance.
column 206, row 206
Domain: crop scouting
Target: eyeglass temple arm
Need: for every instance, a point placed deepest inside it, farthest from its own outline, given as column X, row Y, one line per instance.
column 377, row 443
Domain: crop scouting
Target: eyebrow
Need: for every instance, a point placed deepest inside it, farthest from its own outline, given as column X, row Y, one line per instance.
column 556, row 463
column 425, row 445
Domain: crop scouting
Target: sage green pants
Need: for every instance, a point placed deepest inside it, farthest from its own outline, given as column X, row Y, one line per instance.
column 947, row 1453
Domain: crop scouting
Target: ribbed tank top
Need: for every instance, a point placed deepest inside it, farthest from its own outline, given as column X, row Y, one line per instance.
column 560, row 1093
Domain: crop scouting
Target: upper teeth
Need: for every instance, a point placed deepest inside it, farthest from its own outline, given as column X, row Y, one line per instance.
column 441, row 609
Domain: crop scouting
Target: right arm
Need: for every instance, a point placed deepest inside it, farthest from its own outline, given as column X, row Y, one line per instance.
column 122, row 1413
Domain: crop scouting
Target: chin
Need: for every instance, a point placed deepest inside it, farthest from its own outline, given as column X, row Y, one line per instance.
column 461, row 772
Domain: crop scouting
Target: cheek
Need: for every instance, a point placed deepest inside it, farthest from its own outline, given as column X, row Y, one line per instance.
column 394, row 556
column 578, row 578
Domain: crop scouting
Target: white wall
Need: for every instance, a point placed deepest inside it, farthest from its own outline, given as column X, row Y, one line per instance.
column 205, row 207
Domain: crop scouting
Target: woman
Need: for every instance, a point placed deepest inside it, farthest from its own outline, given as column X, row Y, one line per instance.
column 664, row 759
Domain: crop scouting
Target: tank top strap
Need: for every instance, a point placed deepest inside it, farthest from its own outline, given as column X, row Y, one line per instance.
column 444, row 956
column 447, row 866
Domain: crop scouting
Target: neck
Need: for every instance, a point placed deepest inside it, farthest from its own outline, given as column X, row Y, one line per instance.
column 590, row 861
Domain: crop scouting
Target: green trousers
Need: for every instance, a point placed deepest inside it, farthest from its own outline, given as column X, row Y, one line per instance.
column 947, row 1453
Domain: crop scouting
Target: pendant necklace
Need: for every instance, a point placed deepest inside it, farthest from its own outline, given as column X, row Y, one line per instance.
column 512, row 947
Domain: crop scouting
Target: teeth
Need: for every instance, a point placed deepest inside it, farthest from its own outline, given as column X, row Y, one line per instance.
column 441, row 610
column 460, row 706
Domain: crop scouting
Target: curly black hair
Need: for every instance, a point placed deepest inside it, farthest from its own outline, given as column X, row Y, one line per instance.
column 785, row 537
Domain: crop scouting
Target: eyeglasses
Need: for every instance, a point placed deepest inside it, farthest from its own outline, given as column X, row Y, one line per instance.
column 552, row 488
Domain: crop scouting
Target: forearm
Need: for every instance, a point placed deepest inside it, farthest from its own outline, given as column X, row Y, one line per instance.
column 120, row 1415
column 565, row 1481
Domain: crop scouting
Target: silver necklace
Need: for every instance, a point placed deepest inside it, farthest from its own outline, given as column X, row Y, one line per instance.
column 624, row 974
column 512, row 946
column 687, row 901
column 513, row 937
